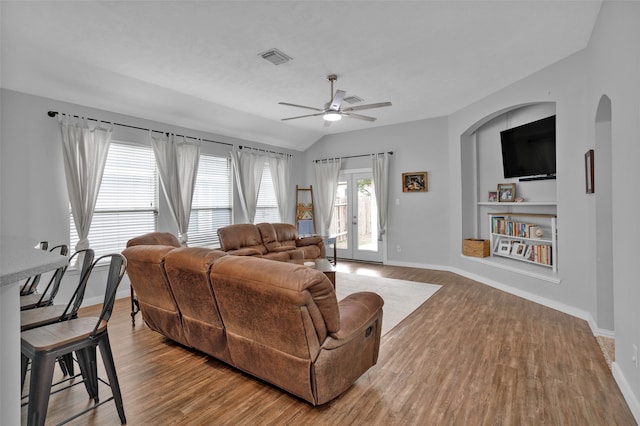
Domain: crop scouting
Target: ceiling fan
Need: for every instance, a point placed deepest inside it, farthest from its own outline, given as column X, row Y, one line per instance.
column 333, row 110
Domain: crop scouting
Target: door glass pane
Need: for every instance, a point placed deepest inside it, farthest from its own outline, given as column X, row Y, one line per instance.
column 339, row 224
column 367, row 216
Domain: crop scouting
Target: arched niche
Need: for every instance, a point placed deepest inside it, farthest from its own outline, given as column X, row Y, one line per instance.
column 603, row 246
column 473, row 190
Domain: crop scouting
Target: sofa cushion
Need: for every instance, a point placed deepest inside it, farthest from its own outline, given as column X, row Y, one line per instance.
column 187, row 271
column 286, row 283
column 155, row 238
column 241, row 236
column 145, row 268
column 276, row 315
column 245, row 252
column 278, row 236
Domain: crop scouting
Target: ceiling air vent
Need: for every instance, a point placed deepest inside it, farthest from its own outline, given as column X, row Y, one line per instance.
column 353, row 99
column 275, row 56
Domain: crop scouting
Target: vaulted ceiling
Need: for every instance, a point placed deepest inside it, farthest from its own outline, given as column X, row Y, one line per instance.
column 198, row 64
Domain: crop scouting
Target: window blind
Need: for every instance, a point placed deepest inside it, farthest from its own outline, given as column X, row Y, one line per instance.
column 127, row 205
column 267, row 207
column 211, row 205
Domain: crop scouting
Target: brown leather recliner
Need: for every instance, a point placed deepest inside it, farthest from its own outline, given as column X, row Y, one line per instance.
column 278, row 321
column 285, row 325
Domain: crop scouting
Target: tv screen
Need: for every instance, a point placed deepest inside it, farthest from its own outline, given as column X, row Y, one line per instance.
column 530, row 150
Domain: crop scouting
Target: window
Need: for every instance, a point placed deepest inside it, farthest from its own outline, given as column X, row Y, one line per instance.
column 267, row 207
column 211, row 206
column 127, row 205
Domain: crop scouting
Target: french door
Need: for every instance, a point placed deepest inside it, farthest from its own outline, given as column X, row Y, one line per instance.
column 355, row 218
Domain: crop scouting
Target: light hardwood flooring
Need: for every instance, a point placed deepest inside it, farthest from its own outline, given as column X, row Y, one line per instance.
column 470, row 355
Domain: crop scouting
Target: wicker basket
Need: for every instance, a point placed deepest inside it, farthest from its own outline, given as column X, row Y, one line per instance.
column 475, row 247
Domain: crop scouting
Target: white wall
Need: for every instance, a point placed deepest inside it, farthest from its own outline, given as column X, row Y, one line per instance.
column 35, row 204
column 614, row 71
column 609, row 66
column 417, row 222
column 563, row 84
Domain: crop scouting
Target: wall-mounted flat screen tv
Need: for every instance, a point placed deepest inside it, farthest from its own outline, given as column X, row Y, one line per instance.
column 529, row 151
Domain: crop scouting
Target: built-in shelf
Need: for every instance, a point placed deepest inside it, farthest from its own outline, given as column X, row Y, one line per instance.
column 532, row 271
column 514, row 231
column 524, row 203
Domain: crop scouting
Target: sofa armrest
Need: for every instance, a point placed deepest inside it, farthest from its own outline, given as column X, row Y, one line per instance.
column 308, row 241
column 357, row 312
column 245, row 252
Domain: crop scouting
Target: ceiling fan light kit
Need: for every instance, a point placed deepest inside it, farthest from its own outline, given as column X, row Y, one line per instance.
column 332, row 116
column 333, row 110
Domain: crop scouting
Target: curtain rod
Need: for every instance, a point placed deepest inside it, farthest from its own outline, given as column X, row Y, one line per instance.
column 265, row 150
column 351, row 156
column 54, row 113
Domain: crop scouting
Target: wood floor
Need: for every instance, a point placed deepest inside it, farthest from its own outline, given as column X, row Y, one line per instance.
column 470, row 355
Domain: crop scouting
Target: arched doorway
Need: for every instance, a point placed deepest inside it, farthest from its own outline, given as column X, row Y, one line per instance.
column 603, row 216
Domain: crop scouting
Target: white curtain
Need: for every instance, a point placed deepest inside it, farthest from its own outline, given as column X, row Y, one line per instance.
column 380, row 169
column 280, row 168
column 327, row 174
column 85, row 154
column 248, row 168
column 177, row 162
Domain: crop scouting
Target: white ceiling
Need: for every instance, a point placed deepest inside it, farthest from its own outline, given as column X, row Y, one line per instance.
column 197, row 64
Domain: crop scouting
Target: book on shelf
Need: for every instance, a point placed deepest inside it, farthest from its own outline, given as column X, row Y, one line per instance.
column 500, row 225
column 536, row 253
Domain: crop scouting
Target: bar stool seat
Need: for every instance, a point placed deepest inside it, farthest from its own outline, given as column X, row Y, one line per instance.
column 38, row 317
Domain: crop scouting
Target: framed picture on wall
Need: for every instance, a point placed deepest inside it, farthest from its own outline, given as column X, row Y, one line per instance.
column 415, row 182
column 506, row 192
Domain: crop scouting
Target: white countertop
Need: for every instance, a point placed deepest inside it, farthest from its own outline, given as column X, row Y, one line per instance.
column 19, row 259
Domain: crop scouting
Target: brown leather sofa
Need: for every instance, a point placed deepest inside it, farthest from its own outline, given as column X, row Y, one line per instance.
column 277, row 321
column 275, row 241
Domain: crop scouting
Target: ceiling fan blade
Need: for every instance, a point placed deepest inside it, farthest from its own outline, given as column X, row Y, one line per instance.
column 368, row 106
column 336, row 102
column 300, row 106
column 359, row 116
column 302, row 116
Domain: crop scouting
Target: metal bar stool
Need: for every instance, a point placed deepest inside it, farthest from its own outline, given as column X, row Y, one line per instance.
column 46, row 315
column 35, row 300
column 43, row 345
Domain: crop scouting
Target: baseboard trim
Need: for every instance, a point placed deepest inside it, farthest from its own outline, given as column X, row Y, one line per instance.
column 629, row 396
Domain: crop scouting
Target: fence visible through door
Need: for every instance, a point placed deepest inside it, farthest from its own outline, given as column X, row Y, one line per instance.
column 355, row 219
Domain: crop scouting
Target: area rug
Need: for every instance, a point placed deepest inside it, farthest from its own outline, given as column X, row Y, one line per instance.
column 400, row 297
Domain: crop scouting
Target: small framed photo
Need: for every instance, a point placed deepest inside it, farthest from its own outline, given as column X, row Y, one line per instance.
column 506, row 192
column 519, row 250
column 415, row 182
column 493, row 196
column 504, row 248
column 588, row 172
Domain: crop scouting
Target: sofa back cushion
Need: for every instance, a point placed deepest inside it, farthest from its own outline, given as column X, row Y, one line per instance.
column 242, row 236
column 155, row 238
column 276, row 315
column 145, row 268
column 187, row 271
column 278, row 236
